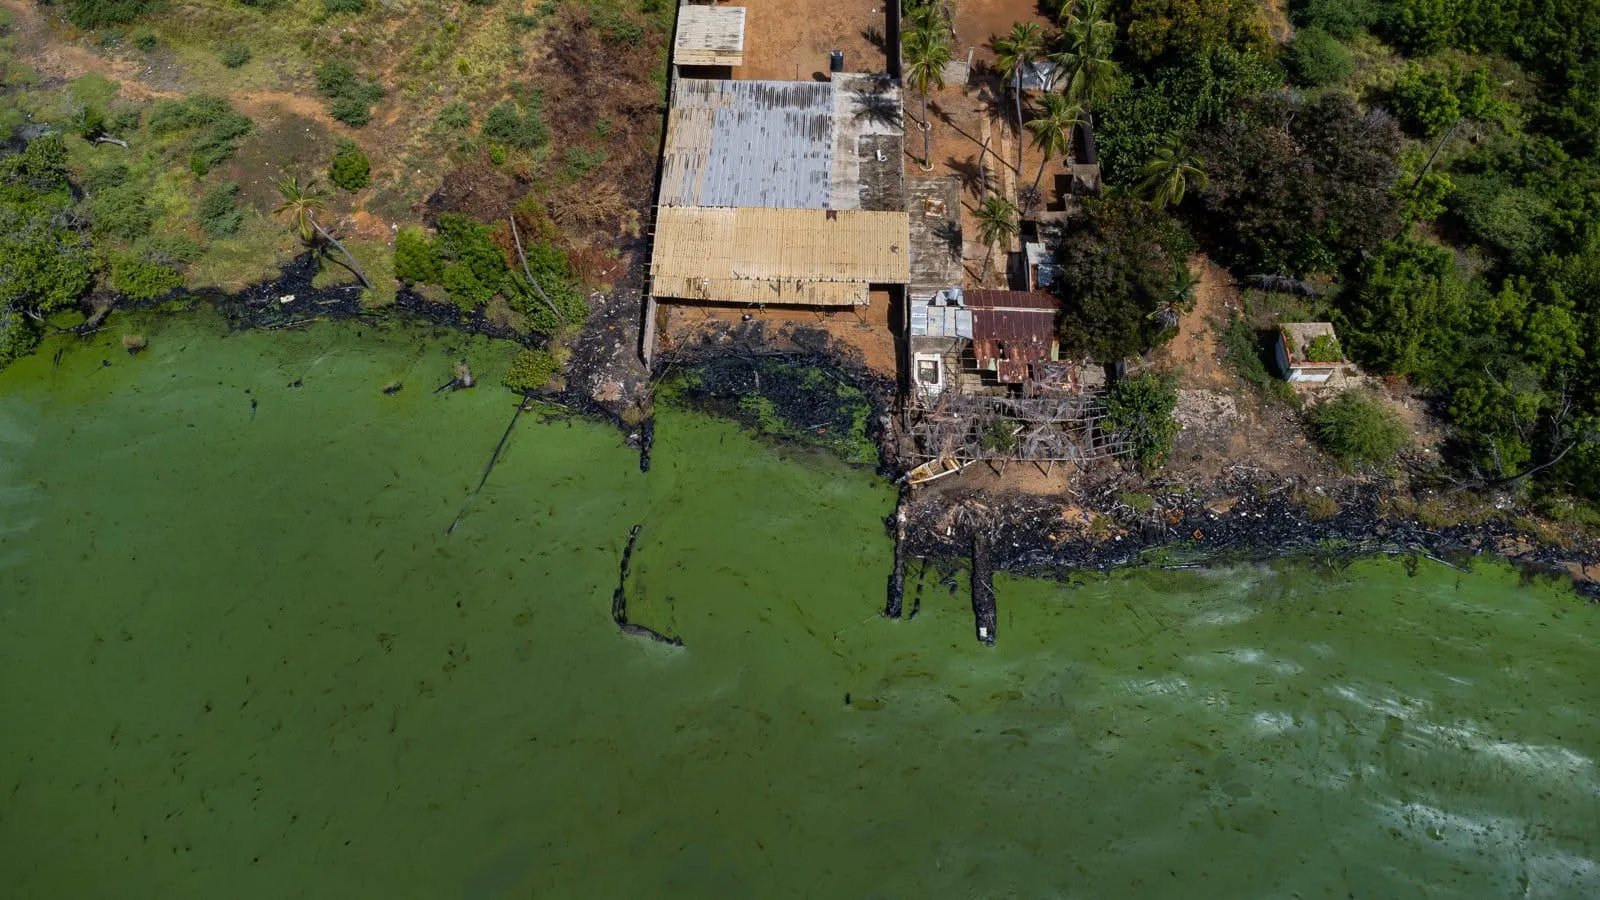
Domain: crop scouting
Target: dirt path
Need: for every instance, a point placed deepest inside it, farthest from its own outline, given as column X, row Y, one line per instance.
column 1195, row 349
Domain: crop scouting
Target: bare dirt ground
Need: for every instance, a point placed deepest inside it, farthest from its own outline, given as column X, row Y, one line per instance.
column 871, row 330
column 790, row 41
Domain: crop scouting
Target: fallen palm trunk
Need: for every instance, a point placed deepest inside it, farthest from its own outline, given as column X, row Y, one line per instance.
column 619, row 598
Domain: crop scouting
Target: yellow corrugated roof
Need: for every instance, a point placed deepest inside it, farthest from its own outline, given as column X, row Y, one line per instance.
column 791, row 256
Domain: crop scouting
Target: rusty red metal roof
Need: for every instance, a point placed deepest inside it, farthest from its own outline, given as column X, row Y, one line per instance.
column 1041, row 300
column 1009, row 337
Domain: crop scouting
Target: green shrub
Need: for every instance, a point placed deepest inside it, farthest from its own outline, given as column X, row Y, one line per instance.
column 1314, row 59
column 105, row 178
column 517, row 126
column 1324, row 348
column 350, row 169
column 1244, row 349
column 334, row 7
column 415, row 260
column 145, row 41
column 91, row 14
column 1139, row 410
column 455, row 116
column 350, row 98
column 581, row 161
column 19, row 335
column 1340, row 18
column 137, row 278
column 999, row 437
column 219, row 213
column 615, row 28
column 220, row 128
column 121, row 212
column 530, row 371
column 1357, row 428
column 1426, row 101
column 169, row 249
column 234, row 55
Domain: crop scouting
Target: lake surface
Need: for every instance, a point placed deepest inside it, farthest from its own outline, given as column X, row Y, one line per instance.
column 241, row 657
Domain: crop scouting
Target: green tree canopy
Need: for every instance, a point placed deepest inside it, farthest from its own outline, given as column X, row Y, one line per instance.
column 1117, row 271
column 1409, row 297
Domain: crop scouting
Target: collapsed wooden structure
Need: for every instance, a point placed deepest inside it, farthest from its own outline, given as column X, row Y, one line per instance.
column 996, row 428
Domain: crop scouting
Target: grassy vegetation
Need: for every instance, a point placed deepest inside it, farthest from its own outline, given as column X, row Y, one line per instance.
column 240, row 93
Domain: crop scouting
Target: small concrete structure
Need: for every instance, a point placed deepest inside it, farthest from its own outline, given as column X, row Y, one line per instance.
column 1308, row 352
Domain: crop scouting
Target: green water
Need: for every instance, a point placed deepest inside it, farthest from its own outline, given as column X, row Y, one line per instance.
column 240, row 657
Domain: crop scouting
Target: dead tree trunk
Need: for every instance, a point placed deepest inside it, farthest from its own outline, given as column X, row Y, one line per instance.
column 350, row 260
column 515, row 236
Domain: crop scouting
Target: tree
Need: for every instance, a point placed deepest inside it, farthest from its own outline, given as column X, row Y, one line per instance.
column 301, row 203
column 1356, row 427
column 1178, row 300
column 1139, row 410
column 45, row 258
column 997, row 223
column 1179, row 99
column 1013, row 54
column 1117, row 264
column 1052, row 129
column 1177, row 29
column 1408, row 299
column 927, row 52
column 1171, row 172
column 1089, row 37
column 1340, row 18
column 1296, row 187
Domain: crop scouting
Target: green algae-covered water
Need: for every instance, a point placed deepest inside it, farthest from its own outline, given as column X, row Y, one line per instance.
column 240, row 657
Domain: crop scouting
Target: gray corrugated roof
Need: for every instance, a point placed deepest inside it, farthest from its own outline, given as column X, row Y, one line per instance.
column 771, row 145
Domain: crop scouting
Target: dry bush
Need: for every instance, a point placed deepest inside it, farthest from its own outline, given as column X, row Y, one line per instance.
column 586, row 207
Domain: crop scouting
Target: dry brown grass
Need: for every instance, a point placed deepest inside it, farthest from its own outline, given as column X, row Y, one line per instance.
column 584, row 207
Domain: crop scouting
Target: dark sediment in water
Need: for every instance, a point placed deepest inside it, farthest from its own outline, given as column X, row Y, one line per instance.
column 983, row 601
column 619, row 597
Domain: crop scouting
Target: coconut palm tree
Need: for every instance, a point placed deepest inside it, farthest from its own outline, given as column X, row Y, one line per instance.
column 927, row 51
column 1179, row 298
column 1171, row 172
column 301, row 203
column 1052, row 129
column 997, row 223
column 1012, row 55
column 1088, row 37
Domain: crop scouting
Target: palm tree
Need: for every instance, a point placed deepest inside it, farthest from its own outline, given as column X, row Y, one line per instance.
column 1052, row 129
column 927, row 51
column 1088, row 37
column 301, row 203
column 927, row 14
column 1178, row 300
column 1013, row 54
column 997, row 222
column 1171, row 172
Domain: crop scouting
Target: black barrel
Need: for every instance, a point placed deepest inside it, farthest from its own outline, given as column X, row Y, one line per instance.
column 836, row 61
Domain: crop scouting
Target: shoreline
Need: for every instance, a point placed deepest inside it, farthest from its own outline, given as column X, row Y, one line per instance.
column 1191, row 525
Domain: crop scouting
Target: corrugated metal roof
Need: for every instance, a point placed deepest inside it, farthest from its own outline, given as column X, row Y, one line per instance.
column 940, row 321
column 1009, row 337
column 1028, row 300
column 709, row 36
column 791, row 256
column 749, row 144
